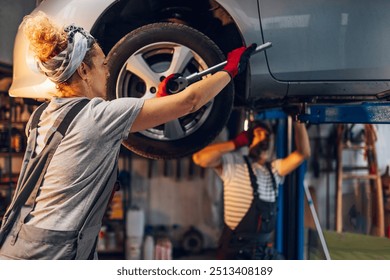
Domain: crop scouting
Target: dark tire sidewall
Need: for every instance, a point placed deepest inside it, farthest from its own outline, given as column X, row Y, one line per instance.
column 210, row 53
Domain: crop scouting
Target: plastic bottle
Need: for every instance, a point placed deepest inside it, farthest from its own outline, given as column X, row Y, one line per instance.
column 148, row 248
column 101, row 245
column 25, row 115
column 163, row 249
column 135, row 232
column 17, row 141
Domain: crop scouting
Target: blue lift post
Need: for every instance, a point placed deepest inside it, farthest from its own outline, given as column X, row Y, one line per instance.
column 289, row 234
column 362, row 113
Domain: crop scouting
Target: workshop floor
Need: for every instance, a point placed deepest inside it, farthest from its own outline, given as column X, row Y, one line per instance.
column 352, row 246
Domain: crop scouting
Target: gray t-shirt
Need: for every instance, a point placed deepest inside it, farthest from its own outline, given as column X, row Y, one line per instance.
column 83, row 161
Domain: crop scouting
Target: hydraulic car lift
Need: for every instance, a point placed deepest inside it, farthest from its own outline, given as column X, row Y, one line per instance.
column 364, row 113
column 289, row 235
column 289, row 238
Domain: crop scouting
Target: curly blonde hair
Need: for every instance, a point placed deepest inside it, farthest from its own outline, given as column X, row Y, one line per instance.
column 46, row 38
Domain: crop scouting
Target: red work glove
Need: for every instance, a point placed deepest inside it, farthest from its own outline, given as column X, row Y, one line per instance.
column 241, row 140
column 165, row 84
column 237, row 60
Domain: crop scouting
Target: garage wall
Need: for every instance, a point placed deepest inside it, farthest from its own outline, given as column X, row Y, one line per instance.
column 178, row 203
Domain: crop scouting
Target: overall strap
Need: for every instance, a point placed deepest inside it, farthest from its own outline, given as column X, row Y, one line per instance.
column 62, row 128
column 24, row 202
column 67, row 119
column 33, row 124
column 269, row 168
column 254, row 179
column 37, row 115
column 252, row 176
column 260, row 237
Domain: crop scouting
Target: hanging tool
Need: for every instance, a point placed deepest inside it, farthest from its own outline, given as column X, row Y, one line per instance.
column 181, row 83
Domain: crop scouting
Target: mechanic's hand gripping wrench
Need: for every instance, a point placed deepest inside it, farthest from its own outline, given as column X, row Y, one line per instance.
column 181, row 83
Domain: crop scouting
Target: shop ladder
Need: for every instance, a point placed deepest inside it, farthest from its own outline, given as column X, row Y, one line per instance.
column 372, row 177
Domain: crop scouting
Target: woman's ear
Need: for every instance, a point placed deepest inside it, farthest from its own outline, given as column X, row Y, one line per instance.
column 82, row 70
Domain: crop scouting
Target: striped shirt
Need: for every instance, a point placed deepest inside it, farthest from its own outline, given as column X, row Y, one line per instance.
column 238, row 192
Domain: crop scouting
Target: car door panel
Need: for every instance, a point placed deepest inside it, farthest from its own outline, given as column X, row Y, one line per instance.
column 328, row 40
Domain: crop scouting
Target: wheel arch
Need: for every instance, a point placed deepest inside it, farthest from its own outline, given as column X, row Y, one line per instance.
column 207, row 16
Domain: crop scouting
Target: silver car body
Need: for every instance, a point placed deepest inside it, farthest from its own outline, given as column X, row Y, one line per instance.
column 29, row 83
column 319, row 47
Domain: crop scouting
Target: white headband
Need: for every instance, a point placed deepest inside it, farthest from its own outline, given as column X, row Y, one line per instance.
column 61, row 67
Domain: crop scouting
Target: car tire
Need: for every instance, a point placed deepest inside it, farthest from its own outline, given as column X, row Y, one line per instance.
column 153, row 47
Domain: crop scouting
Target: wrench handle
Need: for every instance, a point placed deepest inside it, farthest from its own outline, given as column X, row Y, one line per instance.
column 220, row 66
column 183, row 82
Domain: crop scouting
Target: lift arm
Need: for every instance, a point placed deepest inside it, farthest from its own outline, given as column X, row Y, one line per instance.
column 366, row 112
